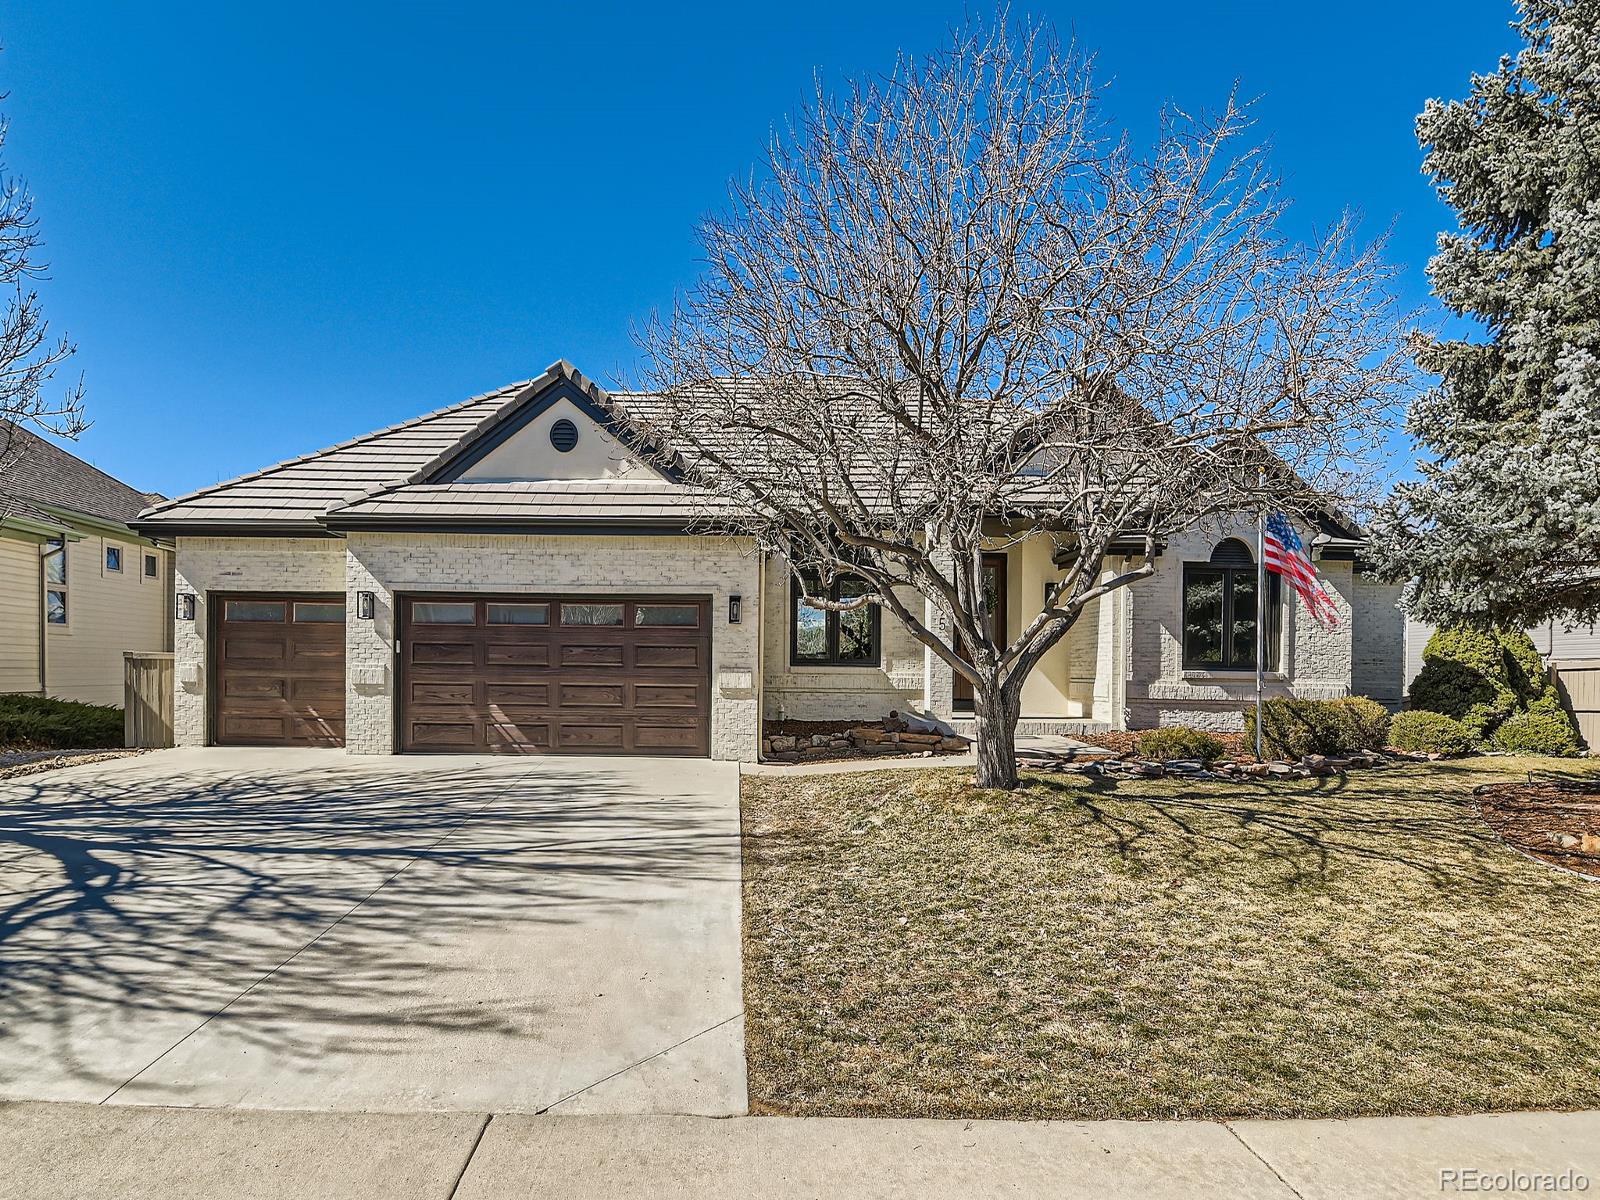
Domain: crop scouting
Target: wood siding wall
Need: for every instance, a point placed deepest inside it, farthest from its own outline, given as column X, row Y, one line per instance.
column 20, row 599
column 108, row 613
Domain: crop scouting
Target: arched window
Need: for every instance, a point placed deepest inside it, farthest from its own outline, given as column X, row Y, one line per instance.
column 1219, row 611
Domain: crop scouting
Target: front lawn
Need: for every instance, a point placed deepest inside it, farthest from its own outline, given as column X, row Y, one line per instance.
column 1084, row 948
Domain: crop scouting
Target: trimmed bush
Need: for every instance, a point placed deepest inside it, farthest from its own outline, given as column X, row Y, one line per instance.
column 1466, row 674
column 1295, row 728
column 1537, row 733
column 1424, row 732
column 1487, row 677
column 1367, row 723
column 1175, row 742
column 37, row 723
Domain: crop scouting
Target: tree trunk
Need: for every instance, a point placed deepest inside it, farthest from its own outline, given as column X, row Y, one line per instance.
column 996, row 714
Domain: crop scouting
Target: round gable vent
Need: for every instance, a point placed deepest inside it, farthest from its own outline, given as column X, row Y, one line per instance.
column 563, row 435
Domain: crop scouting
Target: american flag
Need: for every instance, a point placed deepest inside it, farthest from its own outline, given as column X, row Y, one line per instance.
column 1286, row 554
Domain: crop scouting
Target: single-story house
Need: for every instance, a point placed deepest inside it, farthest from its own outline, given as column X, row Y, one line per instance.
column 78, row 586
column 508, row 574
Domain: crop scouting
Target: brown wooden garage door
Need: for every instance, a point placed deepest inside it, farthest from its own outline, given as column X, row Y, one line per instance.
column 279, row 670
column 539, row 675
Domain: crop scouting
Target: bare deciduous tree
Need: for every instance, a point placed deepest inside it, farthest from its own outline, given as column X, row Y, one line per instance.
column 952, row 312
column 29, row 355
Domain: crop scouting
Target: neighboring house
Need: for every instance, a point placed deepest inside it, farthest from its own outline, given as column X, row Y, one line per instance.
column 509, row 575
column 78, row 586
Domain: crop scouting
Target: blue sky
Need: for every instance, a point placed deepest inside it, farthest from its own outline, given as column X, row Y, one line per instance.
column 273, row 227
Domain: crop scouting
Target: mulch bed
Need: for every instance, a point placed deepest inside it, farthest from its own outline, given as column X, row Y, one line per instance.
column 1557, row 823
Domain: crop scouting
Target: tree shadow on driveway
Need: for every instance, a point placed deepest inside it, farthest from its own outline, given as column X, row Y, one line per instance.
column 137, row 906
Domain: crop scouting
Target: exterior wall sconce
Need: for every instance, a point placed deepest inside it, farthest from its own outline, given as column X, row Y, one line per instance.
column 185, row 609
column 735, row 609
column 366, row 605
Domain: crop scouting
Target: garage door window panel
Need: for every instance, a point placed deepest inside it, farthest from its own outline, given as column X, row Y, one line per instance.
column 430, row 612
column 255, row 610
column 591, row 614
column 318, row 612
column 519, row 614
column 681, row 616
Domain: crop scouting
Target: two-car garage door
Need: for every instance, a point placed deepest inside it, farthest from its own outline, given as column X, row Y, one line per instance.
column 542, row 675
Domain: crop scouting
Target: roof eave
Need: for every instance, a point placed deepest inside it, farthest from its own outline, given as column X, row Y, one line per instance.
column 167, row 529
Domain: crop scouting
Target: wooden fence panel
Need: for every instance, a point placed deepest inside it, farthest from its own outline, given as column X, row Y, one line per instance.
column 147, row 682
column 1579, row 680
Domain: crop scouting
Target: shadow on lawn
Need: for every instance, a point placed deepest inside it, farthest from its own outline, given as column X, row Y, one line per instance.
column 136, row 902
column 1425, row 824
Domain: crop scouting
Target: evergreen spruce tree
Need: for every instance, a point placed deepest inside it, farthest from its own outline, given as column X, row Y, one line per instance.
column 1505, row 522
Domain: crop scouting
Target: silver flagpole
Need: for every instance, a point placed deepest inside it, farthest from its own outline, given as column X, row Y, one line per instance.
column 1261, row 599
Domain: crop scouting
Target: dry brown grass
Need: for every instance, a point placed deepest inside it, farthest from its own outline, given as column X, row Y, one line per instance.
column 1084, row 948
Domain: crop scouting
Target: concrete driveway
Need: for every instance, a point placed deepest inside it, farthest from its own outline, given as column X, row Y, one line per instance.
column 307, row 930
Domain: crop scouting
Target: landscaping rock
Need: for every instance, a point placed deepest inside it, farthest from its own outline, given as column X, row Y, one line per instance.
column 782, row 744
column 1589, row 844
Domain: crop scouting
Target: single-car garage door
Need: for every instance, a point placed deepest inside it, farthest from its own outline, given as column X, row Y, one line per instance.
column 541, row 675
column 279, row 670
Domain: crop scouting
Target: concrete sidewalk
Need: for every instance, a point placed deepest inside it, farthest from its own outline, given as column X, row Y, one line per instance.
column 132, row 1153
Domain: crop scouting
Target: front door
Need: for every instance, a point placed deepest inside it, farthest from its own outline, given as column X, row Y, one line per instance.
column 994, row 598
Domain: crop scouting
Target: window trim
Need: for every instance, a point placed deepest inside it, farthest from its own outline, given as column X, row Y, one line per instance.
column 51, row 546
column 107, row 549
column 149, row 565
column 797, row 596
column 1274, row 618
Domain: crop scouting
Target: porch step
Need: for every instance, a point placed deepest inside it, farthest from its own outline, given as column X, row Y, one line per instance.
column 1040, row 726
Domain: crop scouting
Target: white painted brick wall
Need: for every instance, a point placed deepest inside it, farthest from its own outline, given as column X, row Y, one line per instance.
column 1314, row 663
column 208, row 565
column 1379, row 654
column 385, row 564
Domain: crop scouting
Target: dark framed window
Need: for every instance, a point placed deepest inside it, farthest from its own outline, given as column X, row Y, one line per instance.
column 55, row 577
column 151, row 566
column 114, row 558
column 1219, row 611
column 823, row 637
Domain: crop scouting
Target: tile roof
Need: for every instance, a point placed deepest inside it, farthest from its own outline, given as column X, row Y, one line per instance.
column 379, row 478
column 45, row 475
column 301, row 490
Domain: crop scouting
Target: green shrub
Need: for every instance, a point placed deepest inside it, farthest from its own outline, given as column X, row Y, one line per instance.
column 1366, row 721
column 37, row 723
column 1427, row 732
column 1537, row 733
column 1174, row 742
column 1295, row 728
column 1486, row 677
column 1466, row 674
